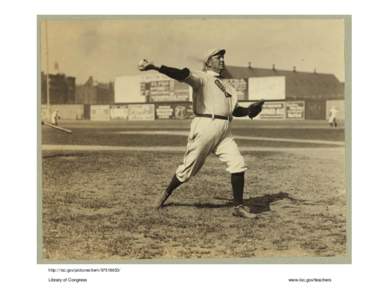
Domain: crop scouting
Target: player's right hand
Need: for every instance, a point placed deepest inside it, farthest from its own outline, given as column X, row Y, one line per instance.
column 145, row 65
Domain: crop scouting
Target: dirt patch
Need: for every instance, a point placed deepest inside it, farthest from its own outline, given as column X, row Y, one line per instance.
column 99, row 206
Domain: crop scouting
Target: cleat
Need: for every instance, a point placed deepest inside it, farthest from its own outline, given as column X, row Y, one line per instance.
column 160, row 203
column 243, row 212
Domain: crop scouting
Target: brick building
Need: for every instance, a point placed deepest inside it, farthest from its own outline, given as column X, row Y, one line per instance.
column 61, row 90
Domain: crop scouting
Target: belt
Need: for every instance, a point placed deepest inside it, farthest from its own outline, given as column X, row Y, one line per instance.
column 212, row 116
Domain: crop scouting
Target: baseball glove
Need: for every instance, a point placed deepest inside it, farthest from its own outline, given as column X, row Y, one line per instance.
column 255, row 109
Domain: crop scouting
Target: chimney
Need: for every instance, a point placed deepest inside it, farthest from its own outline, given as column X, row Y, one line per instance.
column 90, row 81
column 273, row 67
column 249, row 65
column 315, row 70
column 56, row 68
column 293, row 69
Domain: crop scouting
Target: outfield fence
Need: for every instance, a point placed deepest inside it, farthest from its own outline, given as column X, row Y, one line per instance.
column 272, row 110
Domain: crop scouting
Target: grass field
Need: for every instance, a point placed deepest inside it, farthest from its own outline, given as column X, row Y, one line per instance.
column 97, row 205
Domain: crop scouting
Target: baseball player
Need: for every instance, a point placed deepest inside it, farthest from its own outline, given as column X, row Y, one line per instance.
column 333, row 117
column 214, row 106
column 55, row 117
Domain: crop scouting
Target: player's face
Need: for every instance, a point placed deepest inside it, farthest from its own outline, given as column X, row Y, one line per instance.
column 216, row 63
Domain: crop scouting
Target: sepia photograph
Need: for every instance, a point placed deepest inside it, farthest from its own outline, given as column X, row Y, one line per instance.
column 194, row 139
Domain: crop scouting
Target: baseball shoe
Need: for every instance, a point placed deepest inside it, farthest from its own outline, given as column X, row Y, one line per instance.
column 160, row 203
column 243, row 212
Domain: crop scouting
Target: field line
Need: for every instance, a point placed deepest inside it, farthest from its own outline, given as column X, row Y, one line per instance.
column 181, row 149
column 237, row 137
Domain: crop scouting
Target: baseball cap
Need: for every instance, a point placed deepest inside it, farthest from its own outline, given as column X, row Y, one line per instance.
column 213, row 52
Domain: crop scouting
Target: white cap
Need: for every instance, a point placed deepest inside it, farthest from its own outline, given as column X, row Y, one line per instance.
column 213, row 52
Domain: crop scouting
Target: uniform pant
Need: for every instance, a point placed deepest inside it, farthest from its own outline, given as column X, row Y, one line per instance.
column 210, row 136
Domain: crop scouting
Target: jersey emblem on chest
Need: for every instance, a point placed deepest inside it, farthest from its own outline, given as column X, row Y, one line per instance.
column 222, row 88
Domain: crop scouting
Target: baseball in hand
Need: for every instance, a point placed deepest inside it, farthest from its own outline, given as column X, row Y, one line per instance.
column 143, row 64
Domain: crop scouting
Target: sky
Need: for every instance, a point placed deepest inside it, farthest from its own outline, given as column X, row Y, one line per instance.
column 107, row 47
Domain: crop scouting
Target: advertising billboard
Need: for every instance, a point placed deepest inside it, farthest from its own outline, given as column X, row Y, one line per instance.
column 164, row 111
column 167, row 90
column 150, row 88
column 295, row 110
column 273, row 111
column 178, row 111
column 141, row 112
column 119, row 112
column 267, row 88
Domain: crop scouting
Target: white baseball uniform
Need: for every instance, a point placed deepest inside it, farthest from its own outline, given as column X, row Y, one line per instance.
column 332, row 114
column 54, row 117
column 214, row 97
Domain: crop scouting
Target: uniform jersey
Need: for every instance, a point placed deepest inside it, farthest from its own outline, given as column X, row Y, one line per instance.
column 211, row 95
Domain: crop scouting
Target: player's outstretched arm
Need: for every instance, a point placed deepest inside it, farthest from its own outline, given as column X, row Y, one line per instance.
column 174, row 73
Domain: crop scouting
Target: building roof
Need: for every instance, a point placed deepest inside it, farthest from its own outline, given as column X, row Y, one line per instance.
column 298, row 84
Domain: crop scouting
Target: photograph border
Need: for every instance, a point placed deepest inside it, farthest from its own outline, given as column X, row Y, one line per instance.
column 347, row 259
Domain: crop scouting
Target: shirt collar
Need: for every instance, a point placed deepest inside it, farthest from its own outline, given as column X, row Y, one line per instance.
column 212, row 73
